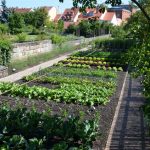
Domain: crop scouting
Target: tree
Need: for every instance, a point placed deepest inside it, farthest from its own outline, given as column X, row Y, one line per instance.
column 15, row 23
column 37, row 18
column 118, row 32
column 5, row 51
column 60, row 25
column 139, row 55
column 4, row 13
column 71, row 29
column 85, row 28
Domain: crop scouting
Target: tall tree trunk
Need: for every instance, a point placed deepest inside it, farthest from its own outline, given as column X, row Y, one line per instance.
column 142, row 9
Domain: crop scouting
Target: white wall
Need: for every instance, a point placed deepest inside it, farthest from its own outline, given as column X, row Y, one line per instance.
column 76, row 17
column 52, row 13
column 102, row 16
column 114, row 20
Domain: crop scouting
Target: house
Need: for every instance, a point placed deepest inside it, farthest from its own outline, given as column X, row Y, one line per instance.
column 121, row 13
column 109, row 17
column 58, row 17
column 52, row 12
column 21, row 10
column 89, row 14
column 70, row 15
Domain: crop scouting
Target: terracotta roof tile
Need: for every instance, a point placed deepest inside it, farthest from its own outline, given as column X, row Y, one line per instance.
column 22, row 10
column 58, row 16
column 108, row 16
column 67, row 24
column 47, row 8
column 70, row 13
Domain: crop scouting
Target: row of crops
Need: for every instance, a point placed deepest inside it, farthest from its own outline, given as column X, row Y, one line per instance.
column 88, row 88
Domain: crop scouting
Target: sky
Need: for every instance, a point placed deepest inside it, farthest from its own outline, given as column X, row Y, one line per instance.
column 38, row 3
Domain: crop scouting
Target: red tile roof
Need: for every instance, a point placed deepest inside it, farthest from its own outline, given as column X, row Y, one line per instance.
column 22, row 10
column 58, row 16
column 69, row 14
column 95, row 15
column 47, row 8
column 108, row 16
column 67, row 24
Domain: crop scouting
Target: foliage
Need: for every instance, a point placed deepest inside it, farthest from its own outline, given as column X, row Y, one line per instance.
column 71, row 29
column 60, row 26
column 5, row 51
column 138, row 56
column 51, row 26
column 15, row 23
column 24, row 129
column 113, row 44
column 3, row 29
column 41, row 36
column 89, row 28
column 80, row 72
column 140, row 52
column 21, row 37
column 118, row 32
column 35, row 31
column 57, row 39
column 4, row 12
column 70, row 93
column 57, row 79
column 85, row 29
column 37, row 18
column 88, row 62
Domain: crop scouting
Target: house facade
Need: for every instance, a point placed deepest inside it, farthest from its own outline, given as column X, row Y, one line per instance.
column 52, row 12
column 109, row 17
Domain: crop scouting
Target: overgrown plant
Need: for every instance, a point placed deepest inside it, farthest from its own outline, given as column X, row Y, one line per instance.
column 29, row 129
column 5, row 51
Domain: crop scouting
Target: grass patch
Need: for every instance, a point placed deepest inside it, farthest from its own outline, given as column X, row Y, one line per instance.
column 40, row 58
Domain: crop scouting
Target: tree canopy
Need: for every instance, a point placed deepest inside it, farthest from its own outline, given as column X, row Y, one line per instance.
column 4, row 13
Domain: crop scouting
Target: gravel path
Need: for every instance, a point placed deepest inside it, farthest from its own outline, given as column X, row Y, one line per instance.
column 130, row 131
column 29, row 71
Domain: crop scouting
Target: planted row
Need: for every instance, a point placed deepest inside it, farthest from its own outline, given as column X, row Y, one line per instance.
column 86, row 94
column 89, row 66
column 99, row 54
column 72, row 80
column 92, row 62
column 86, row 58
column 24, row 129
column 78, row 72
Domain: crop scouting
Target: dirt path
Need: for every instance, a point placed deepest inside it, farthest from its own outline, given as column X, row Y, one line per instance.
column 29, row 71
column 130, row 132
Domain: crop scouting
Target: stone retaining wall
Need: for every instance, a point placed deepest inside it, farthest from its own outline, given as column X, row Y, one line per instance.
column 3, row 71
column 22, row 50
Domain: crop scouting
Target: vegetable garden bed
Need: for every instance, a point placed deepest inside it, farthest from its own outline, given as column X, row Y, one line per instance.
column 67, row 91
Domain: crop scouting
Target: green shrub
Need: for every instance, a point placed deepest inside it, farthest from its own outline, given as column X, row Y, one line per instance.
column 110, row 44
column 41, row 37
column 35, row 31
column 24, row 129
column 3, row 29
column 5, row 51
column 21, row 37
column 118, row 32
column 57, row 39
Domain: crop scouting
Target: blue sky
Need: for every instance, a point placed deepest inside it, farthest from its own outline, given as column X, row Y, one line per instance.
column 37, row 3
